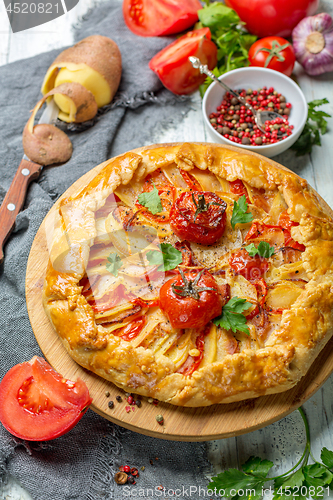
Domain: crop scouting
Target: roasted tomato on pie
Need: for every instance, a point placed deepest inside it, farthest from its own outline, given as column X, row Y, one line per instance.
column 192, row 273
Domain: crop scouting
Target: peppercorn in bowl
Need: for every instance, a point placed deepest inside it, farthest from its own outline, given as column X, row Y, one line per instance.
column 229, row 122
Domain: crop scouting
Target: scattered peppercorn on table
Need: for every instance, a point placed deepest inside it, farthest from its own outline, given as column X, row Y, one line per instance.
column 282, row 441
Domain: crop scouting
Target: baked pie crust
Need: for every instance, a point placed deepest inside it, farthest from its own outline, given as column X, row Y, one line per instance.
column 92, row 308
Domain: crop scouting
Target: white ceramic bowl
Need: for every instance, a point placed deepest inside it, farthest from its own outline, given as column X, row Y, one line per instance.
column 256, row 78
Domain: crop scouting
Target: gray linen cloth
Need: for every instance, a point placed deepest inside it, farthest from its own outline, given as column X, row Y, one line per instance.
column 81, row 464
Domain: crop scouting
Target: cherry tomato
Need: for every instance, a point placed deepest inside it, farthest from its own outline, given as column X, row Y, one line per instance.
column 252, row 268
column 191, row 299
column 160, row 17
column 199, row 217
column 273, row 52
column 173, row 67
column 38, row 404
column 272, row 17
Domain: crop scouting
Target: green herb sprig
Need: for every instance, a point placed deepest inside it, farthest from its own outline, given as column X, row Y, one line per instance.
column 232, row 40
column 263, row 250
column 315, row 126
column 114, row 263
column 239, row 215
column 232, row 317
column 303, row 481
column 151, row 200
column 169, row 257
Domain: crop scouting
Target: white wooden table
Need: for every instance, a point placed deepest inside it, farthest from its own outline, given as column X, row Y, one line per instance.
column 282, row 442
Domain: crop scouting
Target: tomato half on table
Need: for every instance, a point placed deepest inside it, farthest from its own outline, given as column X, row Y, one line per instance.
column 272, row 17
column 173, row 67
column 160, row 17
column 198, row 217
column 273, row 52
column 38, row 404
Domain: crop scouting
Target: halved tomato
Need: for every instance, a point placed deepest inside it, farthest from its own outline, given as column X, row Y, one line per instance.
column 173, row 67
column 38, row 404
column 160, row 17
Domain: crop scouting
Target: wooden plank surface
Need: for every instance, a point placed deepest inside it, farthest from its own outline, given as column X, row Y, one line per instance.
column 283, row 441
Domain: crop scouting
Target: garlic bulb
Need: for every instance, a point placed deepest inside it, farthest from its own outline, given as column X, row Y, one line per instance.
column 313, row 43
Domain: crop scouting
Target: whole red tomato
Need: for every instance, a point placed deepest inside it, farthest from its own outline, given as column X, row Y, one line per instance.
column 252, row 268
column 38, row 404
column 191, row 299
column 160, row 17
column 198, row 217
column 173, row 67
column 272, row 17
column 273, row 52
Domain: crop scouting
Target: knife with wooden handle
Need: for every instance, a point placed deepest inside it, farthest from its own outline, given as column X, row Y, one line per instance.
column 26, row 172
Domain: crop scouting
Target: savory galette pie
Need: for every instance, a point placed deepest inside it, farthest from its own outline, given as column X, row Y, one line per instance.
column 192, row 273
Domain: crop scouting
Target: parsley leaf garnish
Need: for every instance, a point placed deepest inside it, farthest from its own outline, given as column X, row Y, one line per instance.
column 167, row 259
column 315, row 125
column 304, row 481
column 232, row 317
column 239, row 215
column 151, row 200
column 114, row 263
column 264, row 250
column 232, row 40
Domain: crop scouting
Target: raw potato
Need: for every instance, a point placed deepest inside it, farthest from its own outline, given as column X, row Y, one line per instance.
column 95, row 63
column 44, row 143
column 78, row 103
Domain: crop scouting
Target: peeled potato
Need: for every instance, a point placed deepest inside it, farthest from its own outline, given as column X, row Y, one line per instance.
column 77, row 103
column 94, row 63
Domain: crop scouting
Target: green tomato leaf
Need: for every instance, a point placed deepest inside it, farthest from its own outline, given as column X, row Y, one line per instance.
column 264, row 250
column 327, row 457
column 317, row 475
column 233, row 480
column 114, row 264
column 151, row 200
column 217, row 15
column 232, row 317
column 168, row 258
column 315, row 125
column 257, row 467
column 239, row 215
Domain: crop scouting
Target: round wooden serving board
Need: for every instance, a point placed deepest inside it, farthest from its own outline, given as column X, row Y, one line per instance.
column 180, row 423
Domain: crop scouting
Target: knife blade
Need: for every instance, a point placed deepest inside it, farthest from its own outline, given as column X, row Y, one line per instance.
column 16, row 194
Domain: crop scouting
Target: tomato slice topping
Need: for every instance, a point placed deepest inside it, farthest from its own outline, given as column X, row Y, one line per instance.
column 192, row 363
column 199, row 217
column 237, row 187
column 259, row 228
column 109, row 300
column 252, row 268
column 191, row 181
column 173, row 67
column 132, row 330
column 191, row 299
column 160, row 17
column 286, row 223
column 166, row 192
column 38, row 404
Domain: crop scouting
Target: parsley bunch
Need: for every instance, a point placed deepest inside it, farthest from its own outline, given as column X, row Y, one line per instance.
column 232, row 40
column 315, row 125
column 303, row 481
